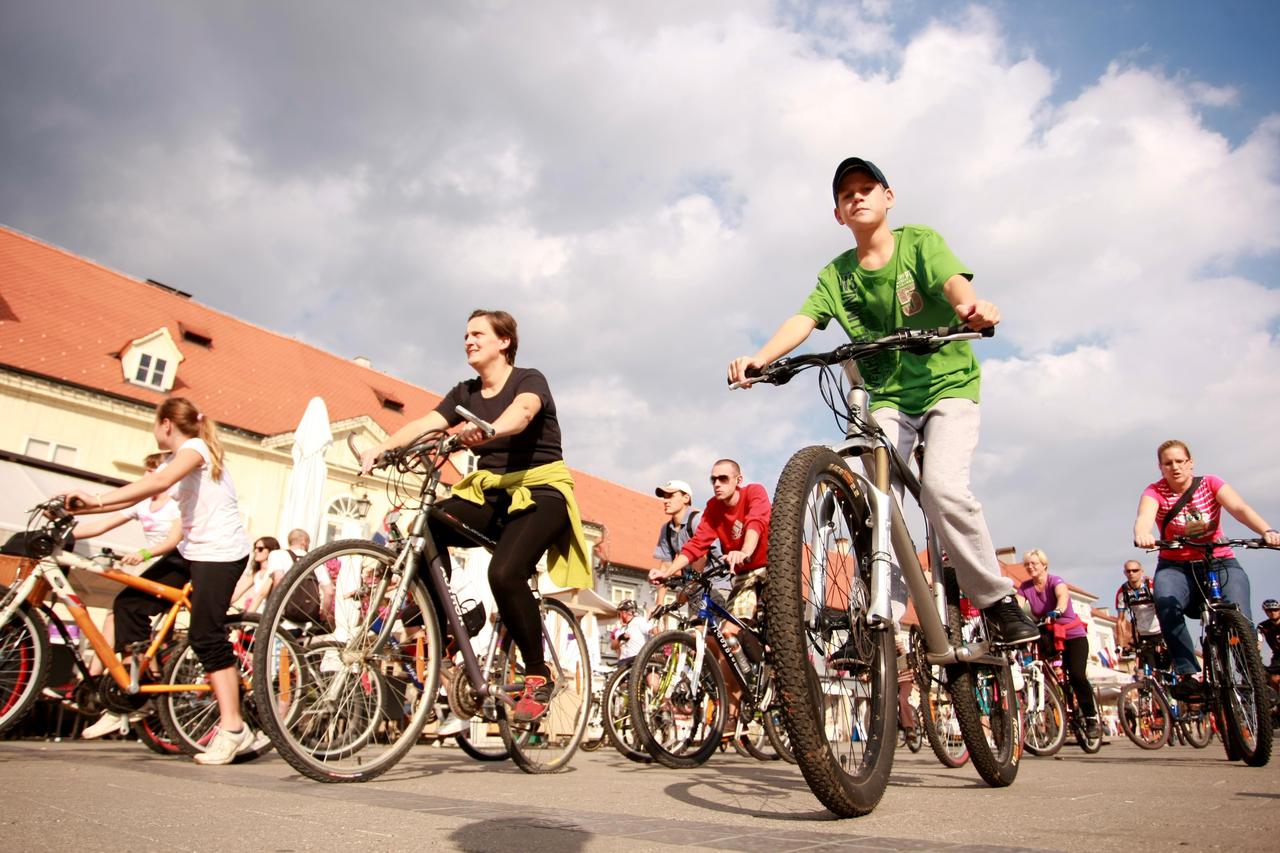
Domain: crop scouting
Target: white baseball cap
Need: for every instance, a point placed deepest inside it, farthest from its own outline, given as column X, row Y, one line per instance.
column 673, row 486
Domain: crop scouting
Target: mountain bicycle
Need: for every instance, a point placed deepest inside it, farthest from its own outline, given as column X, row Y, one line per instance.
column 679, row 698
column 181, row 695
column 936, row 715
column 333, row 699
column 830, row 540
column 1057, row 686
column 1235, row 680
column 1044, row 726
column 1151, row 717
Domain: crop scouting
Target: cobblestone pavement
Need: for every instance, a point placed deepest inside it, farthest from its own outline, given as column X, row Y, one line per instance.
column 117, row 795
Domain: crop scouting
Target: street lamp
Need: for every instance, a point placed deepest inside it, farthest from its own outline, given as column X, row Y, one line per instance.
column 363, row 505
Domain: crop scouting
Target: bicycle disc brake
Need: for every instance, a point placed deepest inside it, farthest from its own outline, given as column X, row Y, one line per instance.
column 860, row 648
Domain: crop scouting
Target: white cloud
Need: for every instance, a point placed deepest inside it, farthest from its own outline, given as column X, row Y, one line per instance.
column 646, row 188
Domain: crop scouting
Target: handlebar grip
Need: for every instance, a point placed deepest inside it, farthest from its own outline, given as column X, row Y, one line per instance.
column 75, row 503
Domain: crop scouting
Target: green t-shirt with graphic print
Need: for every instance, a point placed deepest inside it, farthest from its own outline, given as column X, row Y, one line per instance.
column 907, row 291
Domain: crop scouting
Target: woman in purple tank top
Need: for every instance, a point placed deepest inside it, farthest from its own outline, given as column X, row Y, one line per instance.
column 1050, row 598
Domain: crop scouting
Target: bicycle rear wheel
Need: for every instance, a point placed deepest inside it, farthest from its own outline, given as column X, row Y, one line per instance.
column 1241, row 682
column 616, row 717
column 153, row 735
column 775, row 728
column 547, row 744
column 24, row 661
column 1194, row 725
column 191, row 718
column 1045, row 729
column 1144, row 714
column 677, row 703
column 337, row 709
column 836, row 673
column 941, row 728
column 986, row 705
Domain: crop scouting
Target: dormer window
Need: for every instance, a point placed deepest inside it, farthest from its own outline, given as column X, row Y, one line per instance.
column 152, row 361
column 151, row 371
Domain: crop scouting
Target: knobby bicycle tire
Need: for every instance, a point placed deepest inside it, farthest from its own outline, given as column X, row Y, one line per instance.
column 1144, row 714
column 24, row 662
column 841, row 717
column 664, row 690
column 1242, row 686
column 1045, row 729
column 986, row 704
column 615, row 716
column 346, row 716
column 941, row 728
column 190, row 719
column 547, row 745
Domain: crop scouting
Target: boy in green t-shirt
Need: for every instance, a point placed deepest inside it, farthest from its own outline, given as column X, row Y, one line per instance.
column 908, row 277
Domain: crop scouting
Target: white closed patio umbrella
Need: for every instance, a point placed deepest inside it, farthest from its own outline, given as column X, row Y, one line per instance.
column 304, row 496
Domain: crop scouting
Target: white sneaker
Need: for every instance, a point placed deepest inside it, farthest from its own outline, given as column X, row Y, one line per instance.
column 260, row 741
column 224, row 746
column 450, row 726
column 107, row 724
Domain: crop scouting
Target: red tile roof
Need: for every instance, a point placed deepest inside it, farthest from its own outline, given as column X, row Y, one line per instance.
column 67, row 318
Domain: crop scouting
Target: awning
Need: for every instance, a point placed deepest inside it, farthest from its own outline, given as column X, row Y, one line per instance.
column 24, row 486
column 584, row 601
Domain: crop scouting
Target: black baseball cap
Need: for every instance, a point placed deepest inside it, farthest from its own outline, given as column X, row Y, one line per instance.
column 856, row 164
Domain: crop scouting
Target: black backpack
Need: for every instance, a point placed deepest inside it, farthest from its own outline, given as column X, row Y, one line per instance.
column 303, row 606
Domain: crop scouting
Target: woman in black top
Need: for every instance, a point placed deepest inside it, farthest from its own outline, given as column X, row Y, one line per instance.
column 518, row 403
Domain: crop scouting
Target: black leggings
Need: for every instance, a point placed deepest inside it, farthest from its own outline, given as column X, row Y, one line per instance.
column 211, row 587
column 522, row 540
column 1075, row 657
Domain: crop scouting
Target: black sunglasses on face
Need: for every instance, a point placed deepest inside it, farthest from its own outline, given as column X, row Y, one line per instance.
column 720, row 478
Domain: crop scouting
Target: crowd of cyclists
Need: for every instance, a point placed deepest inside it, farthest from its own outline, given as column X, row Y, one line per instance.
column 522, row 495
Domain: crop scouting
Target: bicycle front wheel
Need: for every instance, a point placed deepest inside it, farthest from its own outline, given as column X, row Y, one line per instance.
column 677, row 703
column 837, row 673
column 24, row 661
column 337, row 708
column 191, row 717
column 986, row 704
column 1194, row 725
column 1045, row 729
column 1241, row 682
column 1144, row 714
column 547, row 744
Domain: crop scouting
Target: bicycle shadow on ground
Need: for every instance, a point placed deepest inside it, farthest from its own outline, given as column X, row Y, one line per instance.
column 504, row 835
column 426, row 763
column 757, row 792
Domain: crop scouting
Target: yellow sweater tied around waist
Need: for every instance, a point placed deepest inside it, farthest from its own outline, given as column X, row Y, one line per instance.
column 568, row 561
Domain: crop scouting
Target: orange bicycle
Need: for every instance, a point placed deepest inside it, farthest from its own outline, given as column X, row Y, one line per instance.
column 181, row 696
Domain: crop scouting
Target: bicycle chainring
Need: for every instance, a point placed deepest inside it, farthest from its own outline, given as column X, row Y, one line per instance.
column 463, row 699
column 115, row 699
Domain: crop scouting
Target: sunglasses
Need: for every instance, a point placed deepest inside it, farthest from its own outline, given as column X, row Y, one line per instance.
column 1133, row 571
column 721, row 478
column 261, row 548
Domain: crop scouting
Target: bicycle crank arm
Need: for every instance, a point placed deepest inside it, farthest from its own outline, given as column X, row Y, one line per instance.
column 979, row 652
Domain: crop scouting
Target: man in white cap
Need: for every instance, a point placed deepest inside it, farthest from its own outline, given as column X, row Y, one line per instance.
column 682, row 519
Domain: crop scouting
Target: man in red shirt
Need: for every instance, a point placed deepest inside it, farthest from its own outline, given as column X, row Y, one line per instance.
column 738, row 516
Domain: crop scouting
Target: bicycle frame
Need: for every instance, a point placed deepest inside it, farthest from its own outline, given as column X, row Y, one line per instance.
column 886, row 466
column 48, row 576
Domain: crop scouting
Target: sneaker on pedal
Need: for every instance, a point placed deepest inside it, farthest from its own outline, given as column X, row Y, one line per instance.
column 533, row 703
column 109, row 723
column 1092, row 728
column 224, row 746
column 1188, row 689
column 1008, row 625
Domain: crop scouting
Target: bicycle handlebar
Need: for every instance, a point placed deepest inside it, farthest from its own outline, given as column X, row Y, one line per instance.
column 781, row 371
column 1163, row 544
column 430, row 443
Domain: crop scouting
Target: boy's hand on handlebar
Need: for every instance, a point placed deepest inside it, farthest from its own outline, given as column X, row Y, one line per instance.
column 733, row 559
column 739, row 367
column 978, row 315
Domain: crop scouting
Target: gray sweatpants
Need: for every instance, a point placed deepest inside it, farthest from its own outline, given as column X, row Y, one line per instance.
column 950, row 433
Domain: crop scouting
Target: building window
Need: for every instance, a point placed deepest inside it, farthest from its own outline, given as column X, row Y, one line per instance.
column 150, row 371
column 51, row 451
column 343, row 520
column 620, row 592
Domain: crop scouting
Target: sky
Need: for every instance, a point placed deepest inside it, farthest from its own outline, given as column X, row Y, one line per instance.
column 647, row 189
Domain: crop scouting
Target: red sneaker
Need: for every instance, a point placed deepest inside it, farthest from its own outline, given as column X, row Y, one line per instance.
column 533, row 703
